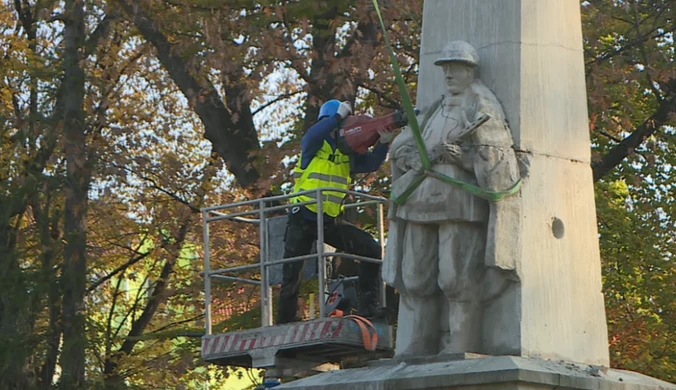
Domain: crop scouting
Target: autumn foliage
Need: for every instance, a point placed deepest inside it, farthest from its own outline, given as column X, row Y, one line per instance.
column 120, row 119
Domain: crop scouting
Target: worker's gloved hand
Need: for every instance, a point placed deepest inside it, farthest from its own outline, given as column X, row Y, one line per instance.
column 386, row 136
column 344, row 110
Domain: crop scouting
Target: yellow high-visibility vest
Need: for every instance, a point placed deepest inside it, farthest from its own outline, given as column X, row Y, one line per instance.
column 327, row 169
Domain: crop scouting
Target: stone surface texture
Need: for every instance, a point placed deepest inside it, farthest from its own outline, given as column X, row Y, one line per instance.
column 531, row 58
column 504, row 372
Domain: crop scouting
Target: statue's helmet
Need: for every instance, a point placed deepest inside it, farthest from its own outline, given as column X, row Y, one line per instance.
column 459, row 51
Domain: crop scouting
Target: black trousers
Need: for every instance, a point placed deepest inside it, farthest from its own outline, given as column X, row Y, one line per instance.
column 299, row 236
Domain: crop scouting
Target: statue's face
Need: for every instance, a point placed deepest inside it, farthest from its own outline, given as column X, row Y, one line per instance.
column 458, row 76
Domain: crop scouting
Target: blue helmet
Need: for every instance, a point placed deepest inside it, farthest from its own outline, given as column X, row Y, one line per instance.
column 329, row 108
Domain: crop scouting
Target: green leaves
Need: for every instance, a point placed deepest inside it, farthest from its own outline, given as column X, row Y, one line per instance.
column 629, row 51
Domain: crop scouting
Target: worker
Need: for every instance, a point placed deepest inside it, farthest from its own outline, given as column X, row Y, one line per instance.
column 322, row 164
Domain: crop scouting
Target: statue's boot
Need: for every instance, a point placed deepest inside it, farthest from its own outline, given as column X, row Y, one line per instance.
column 465, row 328
column 425, row 335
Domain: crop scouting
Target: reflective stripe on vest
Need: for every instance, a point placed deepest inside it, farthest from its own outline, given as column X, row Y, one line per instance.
column 325, row 196
column 330, row 178
column 327, row 169
column 323, row 177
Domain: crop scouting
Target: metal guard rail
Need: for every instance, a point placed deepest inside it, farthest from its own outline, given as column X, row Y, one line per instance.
column 215, row 213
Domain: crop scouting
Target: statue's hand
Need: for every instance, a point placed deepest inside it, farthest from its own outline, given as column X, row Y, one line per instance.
column 453, row 153
column 414, row 164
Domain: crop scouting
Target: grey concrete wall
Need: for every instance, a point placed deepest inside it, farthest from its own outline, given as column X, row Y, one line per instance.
column 531, row 54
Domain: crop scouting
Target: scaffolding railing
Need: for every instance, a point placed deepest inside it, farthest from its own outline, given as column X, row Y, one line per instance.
column 219, row 213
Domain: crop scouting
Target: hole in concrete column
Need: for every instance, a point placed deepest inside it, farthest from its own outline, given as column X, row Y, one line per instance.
column 558, row 229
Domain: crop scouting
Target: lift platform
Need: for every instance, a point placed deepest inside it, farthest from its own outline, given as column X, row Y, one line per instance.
column 298, row 348
column 303, row 345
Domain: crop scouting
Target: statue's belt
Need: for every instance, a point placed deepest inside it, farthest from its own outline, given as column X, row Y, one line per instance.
column 418, row 177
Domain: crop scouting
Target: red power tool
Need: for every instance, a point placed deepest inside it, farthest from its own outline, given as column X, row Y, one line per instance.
column 359, row 132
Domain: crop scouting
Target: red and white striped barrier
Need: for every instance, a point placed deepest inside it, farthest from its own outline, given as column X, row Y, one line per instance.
column 276, row 336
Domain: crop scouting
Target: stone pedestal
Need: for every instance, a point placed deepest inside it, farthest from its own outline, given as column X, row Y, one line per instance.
column 505, row 372
column 531, row 58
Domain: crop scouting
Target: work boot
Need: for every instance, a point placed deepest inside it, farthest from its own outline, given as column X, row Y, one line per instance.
column 369, row 307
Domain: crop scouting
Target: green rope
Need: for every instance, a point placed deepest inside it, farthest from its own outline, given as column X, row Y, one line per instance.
column 493, row 196
column 408, row 106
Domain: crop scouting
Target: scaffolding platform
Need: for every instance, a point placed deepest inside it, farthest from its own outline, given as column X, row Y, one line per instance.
column 290, row 349
column 298, row 344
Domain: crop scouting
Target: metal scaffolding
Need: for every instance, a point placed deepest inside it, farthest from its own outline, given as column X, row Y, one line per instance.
column 219, row 213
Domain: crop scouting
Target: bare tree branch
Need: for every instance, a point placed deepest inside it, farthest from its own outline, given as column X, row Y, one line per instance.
column 109, row 322
column 276, row 100
column 382, row 96
column 100, row 32
column 153, row 184
column 618, row 153
column 117, row 270
column 177, row 323
column 610, row 136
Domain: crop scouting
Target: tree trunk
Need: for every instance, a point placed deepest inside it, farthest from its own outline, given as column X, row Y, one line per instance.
column 78, row 175
column 12, row 359
column 48, row 224
column 236, row 141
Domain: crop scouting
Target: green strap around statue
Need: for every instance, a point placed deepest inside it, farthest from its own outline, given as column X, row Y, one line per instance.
column 492, row 196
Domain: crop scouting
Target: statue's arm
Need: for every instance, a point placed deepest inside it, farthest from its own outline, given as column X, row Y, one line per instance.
column 462, row 149
column 403, row 157
column 404, row 152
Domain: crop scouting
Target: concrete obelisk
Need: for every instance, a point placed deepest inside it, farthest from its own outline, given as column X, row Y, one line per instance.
column 531, row 58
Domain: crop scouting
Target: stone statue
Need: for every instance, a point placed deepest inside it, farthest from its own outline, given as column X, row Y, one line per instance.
column 450, row 252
